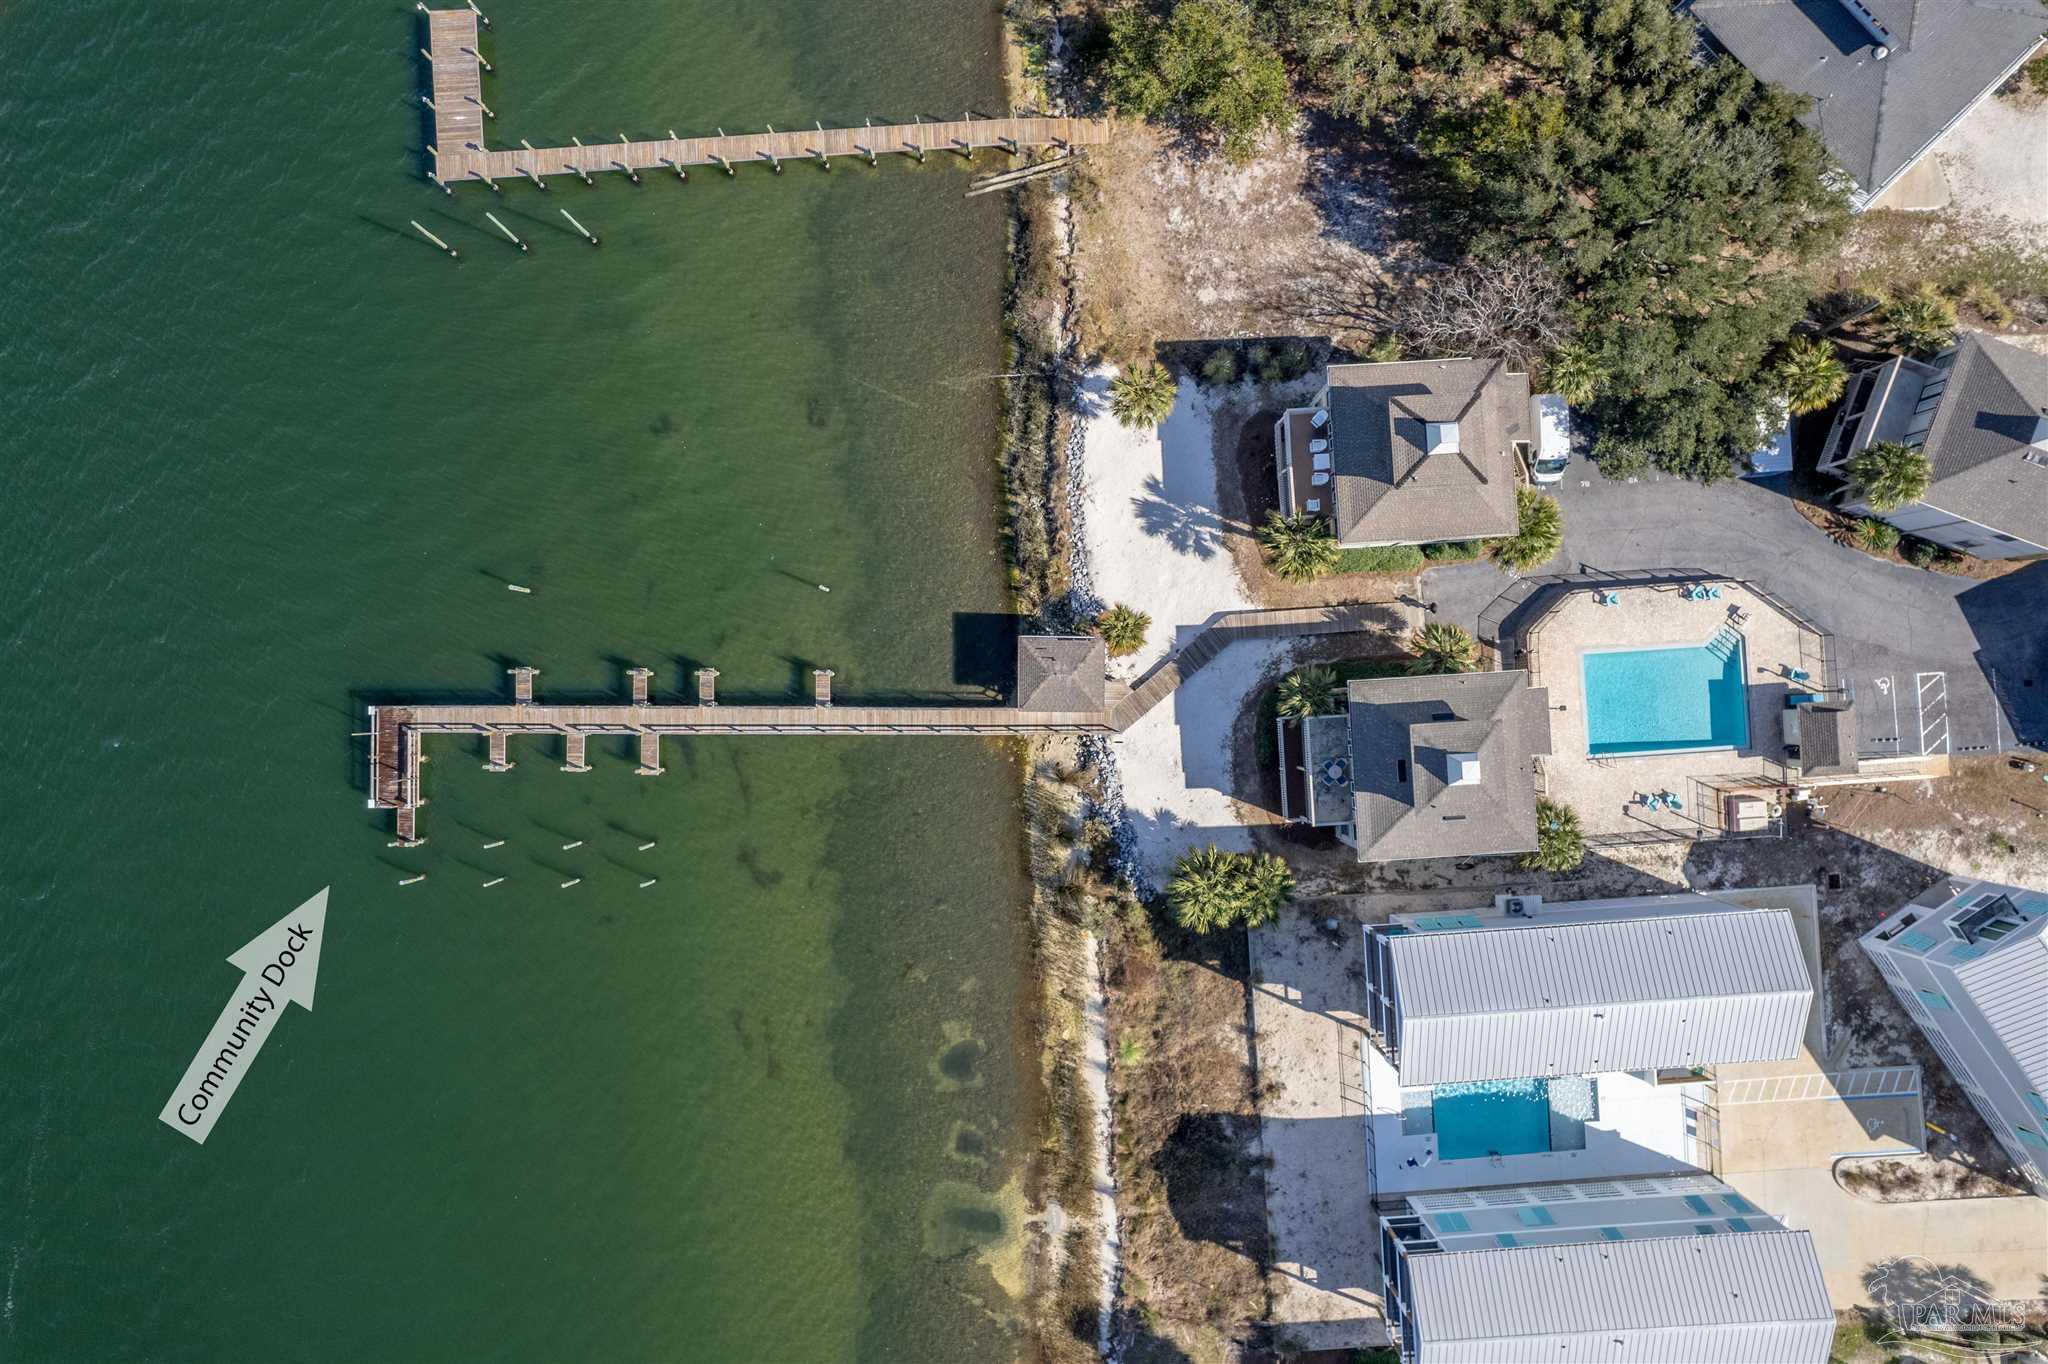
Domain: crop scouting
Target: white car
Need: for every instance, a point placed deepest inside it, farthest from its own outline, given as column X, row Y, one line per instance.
column 1553, row 440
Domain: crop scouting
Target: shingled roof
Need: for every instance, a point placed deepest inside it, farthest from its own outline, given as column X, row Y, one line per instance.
column 1406, row 800
column 1388, row 488
column 1991, row 413
column 1061, row 672
column 1827, row 739
column 1878, row 115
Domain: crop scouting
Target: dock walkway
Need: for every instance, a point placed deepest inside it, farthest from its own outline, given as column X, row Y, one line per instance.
column 397, row 731
column 460, row 153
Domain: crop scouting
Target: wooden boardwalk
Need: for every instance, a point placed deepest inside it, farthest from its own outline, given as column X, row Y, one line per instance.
column 397, row 731
column 460, row 151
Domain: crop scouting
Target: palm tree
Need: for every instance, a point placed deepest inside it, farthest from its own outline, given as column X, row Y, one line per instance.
column 1575, row 375
column 1811, row 374
column 1560, row 845
column 1122, row 629
column 1440, row 647
column 1887, row 475
column 1920, row 322
column 1539, row 532
column 1206, row 892
column 1142, row 396
column 1308, row 691
column 1268, row 884
column 1299, row 548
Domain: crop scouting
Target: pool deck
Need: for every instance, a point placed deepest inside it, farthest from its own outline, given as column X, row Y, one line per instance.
column 1603, row 790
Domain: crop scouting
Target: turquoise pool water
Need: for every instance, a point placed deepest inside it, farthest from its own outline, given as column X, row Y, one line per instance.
column 1666, row 700
column 1492, row 1117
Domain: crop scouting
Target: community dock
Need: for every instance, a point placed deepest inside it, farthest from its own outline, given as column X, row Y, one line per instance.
column 397, row 731
column 459, row 152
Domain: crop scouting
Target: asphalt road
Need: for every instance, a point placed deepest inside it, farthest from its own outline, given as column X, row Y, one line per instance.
column 1922, row 651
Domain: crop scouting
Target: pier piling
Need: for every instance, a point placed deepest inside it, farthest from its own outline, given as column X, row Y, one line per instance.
column 453, row 254
column 590, row 236
column 509, row 235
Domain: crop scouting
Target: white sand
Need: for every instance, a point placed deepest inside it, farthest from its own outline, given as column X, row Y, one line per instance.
column 1152, row 538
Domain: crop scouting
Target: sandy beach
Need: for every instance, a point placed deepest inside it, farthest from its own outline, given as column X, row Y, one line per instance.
column 1152, row 537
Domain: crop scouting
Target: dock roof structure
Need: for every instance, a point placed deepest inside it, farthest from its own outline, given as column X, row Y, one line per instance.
column 1423, row 450
column 1061, row 672
column 1694, row 984
column 1887, row 77
column 1755, row 1297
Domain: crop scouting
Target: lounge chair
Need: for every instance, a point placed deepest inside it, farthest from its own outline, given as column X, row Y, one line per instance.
column 1316, row 447
column 1319, row 460
column 1321, row 418
column 1314, row 504
column 1320, row 477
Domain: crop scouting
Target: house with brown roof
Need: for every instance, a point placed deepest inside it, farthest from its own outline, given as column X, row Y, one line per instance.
column 1415, row 767
column 1409, row 452
column 1061, row 673
column 1887, row 77
column 1980, row 415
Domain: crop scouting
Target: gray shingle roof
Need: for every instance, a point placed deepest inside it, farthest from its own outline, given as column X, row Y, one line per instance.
column 1061, row 672
column 1667, row 989
column 1878, row 116
column 1751, row 1298
column 1827, row 739
column 1996, row 395
column 1402, row 731
column 1387, row 488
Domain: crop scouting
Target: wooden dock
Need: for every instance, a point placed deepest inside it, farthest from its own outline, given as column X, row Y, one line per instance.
column 461, row 152
column 397, row 731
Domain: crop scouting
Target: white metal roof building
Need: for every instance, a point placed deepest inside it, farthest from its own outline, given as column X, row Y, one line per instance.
column 1969, row 961
column 1676, row 1270
column 1657, row 982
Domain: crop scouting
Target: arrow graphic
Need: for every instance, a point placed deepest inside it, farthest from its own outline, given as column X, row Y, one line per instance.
column 278, row 967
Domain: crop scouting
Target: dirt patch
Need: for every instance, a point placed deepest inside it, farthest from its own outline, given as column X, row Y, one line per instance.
column 1952, row 248
column 1914, row 1179
column 1174, row 246
column 1189, row 1178
column 1842, row 530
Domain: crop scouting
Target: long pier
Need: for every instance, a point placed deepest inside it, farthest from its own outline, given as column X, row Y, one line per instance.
column 397, row 731
column 460, row 152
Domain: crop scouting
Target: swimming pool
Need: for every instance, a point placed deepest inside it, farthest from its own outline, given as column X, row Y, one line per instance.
column 1666, row 700
column 1492, row 1117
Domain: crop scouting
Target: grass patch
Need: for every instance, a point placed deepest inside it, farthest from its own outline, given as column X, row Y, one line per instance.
column 1453, row 551
column 1379, row 559
column 1889, row 252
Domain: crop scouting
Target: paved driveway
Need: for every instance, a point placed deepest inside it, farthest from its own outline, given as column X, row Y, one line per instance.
column 1922, row 650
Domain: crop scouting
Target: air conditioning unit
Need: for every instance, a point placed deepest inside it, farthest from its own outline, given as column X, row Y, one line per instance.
column 1517, row 906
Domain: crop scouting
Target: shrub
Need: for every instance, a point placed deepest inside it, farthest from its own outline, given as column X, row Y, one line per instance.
column 1619, row 459
column 1384, row 350
column 1213, row 889
column 1298, row 548
column 1987, row 303
column 1560, row 844
column 1142, row 396
column 1810, row 373
column 1538, row 536
column 1122, row 629
column 1220, row 369
column 1307, row 691
column 1921, row 553
column 1879, row 537
column 1888, row 475
column 2034, row 77
column 1920, row 322
column 1440, row 647
column 1453, row 551
column 1294, row 361
column 1379, row 559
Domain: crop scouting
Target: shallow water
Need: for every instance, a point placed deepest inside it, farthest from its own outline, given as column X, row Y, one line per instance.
column 271, row 457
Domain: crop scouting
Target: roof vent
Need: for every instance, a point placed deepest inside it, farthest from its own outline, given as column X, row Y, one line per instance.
column 1463, row 768
column 1441, row 438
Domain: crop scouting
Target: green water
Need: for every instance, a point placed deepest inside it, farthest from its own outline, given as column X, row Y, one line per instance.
column 268, row 456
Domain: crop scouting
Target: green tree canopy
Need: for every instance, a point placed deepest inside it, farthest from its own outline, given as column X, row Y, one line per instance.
column 1202, row 62
column 1440, row 647
column 1560, row 844
column 1122, row 629
column 1143, row 395
column 1212, row 889
column 1298, row 548
column 1810, row 373
column 1539, row 532
column 1888, row 475
column 1307, row 691
column 1919, row 321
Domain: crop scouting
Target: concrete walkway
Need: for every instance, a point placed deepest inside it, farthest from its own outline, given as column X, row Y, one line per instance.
column 1891, row 623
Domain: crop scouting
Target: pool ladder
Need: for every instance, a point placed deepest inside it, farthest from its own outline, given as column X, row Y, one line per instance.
column 1725, row 642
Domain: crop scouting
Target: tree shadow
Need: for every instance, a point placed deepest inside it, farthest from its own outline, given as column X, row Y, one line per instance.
column 1914, row 1290
column 1188, row 526
column 1211, row 1171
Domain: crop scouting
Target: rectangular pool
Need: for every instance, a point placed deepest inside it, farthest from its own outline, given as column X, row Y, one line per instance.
column 1667, row 700
column 1492, row 1117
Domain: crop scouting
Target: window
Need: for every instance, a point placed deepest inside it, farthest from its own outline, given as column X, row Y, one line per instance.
column 2038, row 1104
column 1612, row 1234
column 1968, row 951
column 2032, row 1138
column 1452, row 1221
column 1917, row 941
column 1702, row 1229
column 1737, row 1224
column 1935, row 999
column 1698, row 1205
column 1737, row 1203
column 1535, row 1217
column 1507, row 1240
